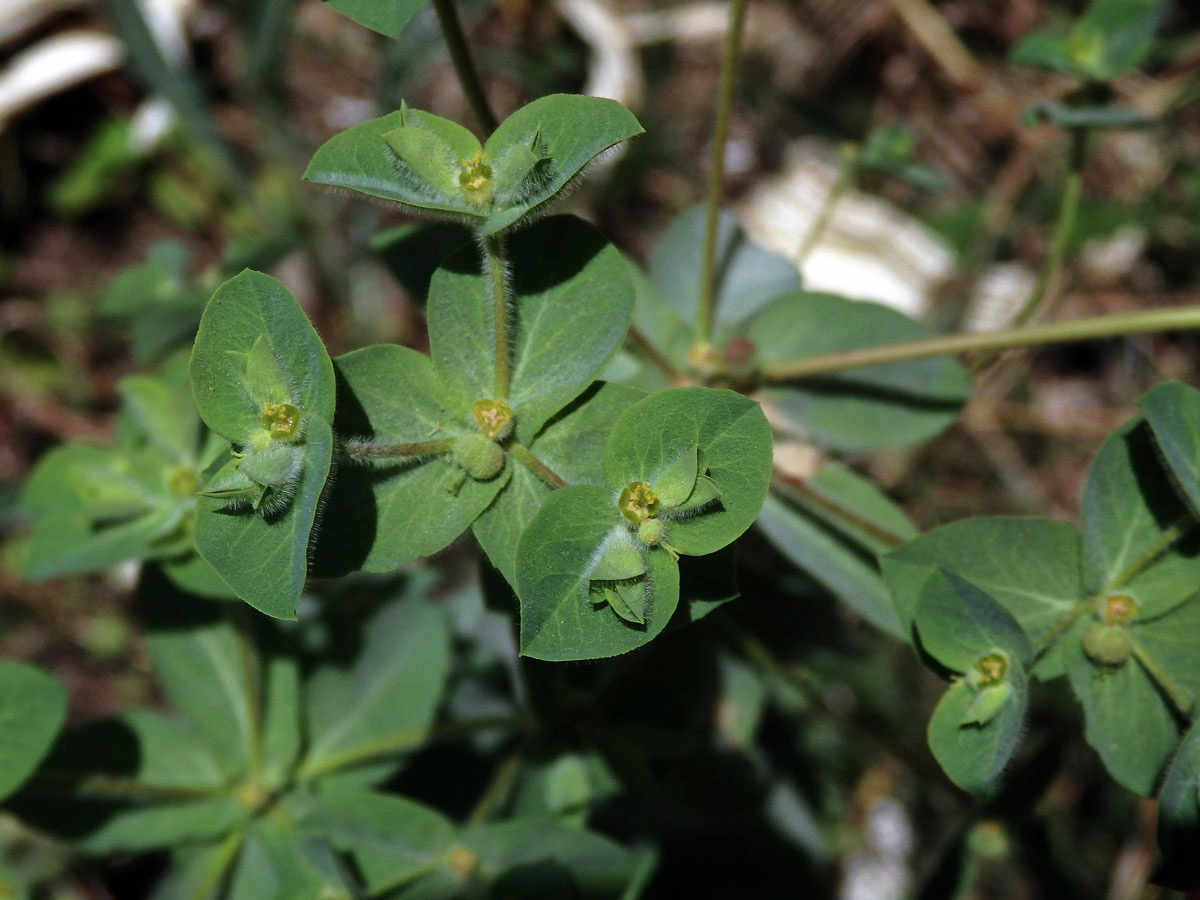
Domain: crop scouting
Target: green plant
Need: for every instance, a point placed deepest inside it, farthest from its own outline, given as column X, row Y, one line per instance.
column 599, row 429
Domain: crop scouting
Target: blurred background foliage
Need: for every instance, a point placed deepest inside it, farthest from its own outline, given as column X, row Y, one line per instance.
column 162, row 153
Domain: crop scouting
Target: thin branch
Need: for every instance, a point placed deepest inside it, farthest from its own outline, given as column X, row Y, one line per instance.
column 1084, row 329
column 464, row 66
column 716, row 170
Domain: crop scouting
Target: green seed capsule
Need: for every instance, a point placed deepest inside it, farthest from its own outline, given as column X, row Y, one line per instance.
column 479, row 457
column 1107, row 645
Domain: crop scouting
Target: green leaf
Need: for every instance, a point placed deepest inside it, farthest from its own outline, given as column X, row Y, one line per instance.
column 572, row 446
column 538, row 150
column 1179, row 817
column 364, row 717
column 1126, row 720
column 1111, row 37
column 957, row 622
column 264, row 561
column 748, row 276
column 1136, row 538
column 972, row 755
column 845, row 569
column 71, row 495
column 733, row 441
column 661, row 324
column 250, row 323
column 199, row 873
column 275, row 863
column 33, row 707
column 1029, row 566
column 385, row 513
column 884, row 406
column 360, row 159
column 560, row 619
column 528, row 160
column 207, row 671
column 256, row 347
column 137, row 782
column 1173, row 411
column 394, row 841
column 388, row 17
column 589, row 865
column 281, row 733
column 975, row 727
column 570, row 301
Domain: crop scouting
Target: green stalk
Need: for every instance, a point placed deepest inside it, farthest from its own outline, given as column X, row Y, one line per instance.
column 522, row 455
column 1084, row 329
column 1059, row 628
column 1180, row 698
column 365, row 452
column 1064, row 226
column 797, row 493
column 1173, row 532
column 844, row 180
column 502, row 778
column 400, row 741
column 716, row 170
column 497, row 281
column 464, row 66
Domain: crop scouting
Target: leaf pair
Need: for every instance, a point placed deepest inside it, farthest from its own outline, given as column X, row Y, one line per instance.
column 1113, row 607
column 1110, row 38
column 262, row 380
column 433, row 166
column 685, row 472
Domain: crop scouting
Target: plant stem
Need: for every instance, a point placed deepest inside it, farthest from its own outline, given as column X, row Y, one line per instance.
column 1047, row 640
column 652, row 353
column 1064, row 227
column 464, row 66
column 106, row 787
column 400, row 741
column 844, row 180
column 501, row 779
column 716, row 170
column 522, row 455
column 1084, row 329
column 1173, row 532
column 494, row 260
column 363, row 451
column 795, row 491
column 1180, row 698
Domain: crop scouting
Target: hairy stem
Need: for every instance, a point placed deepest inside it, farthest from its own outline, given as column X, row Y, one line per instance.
column 464, row 66
column 498, row 283
column 1084, row 329
column 522, row 455
column 365, row 452
column 716, row 170
column 1064, row 226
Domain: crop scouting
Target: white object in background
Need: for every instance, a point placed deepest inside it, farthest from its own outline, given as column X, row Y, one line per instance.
column 614, row 70
column 53, row 65
column 869, row 249
column 18, row 16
